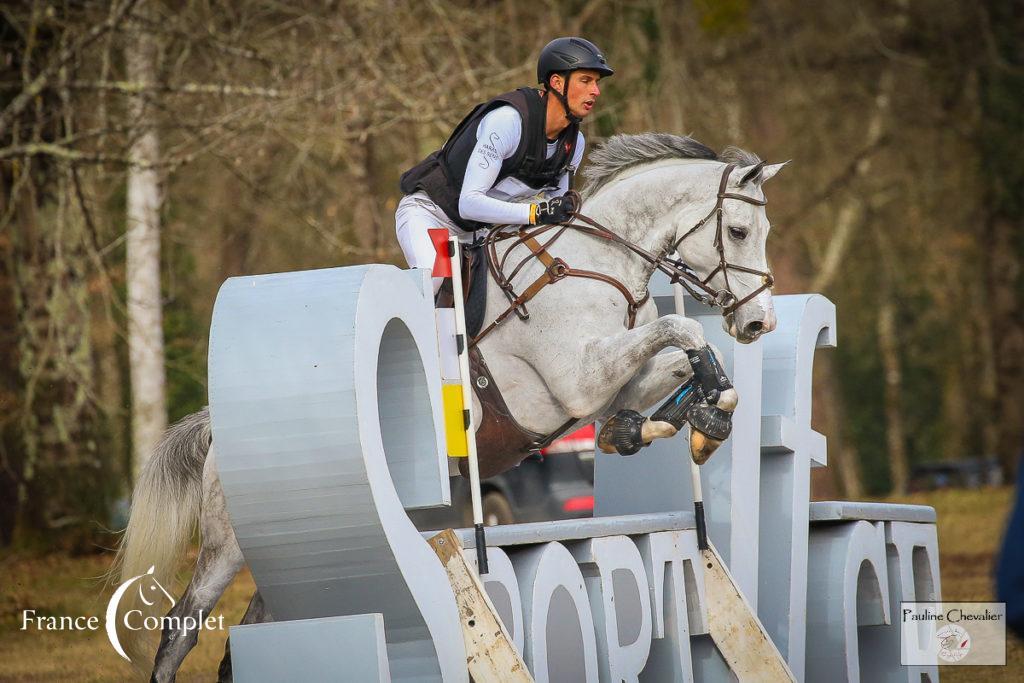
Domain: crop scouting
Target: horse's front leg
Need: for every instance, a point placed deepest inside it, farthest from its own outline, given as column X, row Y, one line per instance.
column 605, row 365
column 626, row 431
column 655, row 380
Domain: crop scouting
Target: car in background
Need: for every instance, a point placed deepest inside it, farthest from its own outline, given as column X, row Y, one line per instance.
column 966, row 473
column 557, row 483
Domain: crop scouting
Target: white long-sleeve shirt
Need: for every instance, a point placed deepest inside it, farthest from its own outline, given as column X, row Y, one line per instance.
column 497, row 138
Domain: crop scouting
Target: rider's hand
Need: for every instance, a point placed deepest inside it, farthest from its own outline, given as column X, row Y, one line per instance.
column 556, row 210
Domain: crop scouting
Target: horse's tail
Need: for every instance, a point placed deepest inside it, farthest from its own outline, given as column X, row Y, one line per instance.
column 165, row 508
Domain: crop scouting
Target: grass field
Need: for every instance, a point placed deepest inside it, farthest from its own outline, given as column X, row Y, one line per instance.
column 970, row 529
column 971, row 525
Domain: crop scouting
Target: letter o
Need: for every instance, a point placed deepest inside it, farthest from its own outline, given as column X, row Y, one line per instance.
column 555, row 601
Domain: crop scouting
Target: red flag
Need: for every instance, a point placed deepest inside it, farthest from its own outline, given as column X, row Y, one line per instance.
column 443, row 261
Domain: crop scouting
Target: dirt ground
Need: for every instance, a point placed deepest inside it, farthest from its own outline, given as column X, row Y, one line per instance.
column 970, row 528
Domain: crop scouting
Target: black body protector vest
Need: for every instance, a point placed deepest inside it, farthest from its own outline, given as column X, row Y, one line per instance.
column 441, row 174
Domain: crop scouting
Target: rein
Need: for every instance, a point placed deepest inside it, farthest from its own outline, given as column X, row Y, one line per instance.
column 556, row 269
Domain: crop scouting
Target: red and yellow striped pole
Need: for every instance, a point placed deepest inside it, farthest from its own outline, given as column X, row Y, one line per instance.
column 449, row 264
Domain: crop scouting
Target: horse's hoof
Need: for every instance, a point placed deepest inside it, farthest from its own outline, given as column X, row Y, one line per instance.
column 623, row 433
column 711, row 421
column 702, row 446
column 709, row 427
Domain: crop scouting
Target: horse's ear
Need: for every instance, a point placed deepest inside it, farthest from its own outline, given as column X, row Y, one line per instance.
column 751, row 173
column 770, row 170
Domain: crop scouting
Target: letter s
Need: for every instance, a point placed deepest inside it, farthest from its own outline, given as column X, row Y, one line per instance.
column 326, row 405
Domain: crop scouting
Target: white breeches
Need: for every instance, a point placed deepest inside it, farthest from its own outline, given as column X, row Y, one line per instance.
column 416, row 214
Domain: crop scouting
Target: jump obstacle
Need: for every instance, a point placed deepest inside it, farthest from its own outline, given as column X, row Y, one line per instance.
column 325, row 397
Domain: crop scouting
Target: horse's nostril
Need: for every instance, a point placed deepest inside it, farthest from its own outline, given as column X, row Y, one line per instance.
column 753, row 328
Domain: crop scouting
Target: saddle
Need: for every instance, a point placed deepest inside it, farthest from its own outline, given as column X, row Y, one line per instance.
column 501, row 442
column 474, row 284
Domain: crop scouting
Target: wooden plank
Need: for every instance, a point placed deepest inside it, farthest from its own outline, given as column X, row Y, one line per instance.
column 490, row 654
column 736, row 630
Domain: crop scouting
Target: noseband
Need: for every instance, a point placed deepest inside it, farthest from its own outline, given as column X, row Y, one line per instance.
column 556, row 269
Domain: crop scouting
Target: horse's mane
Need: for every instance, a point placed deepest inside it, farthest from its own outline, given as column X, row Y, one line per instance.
column 620, row 152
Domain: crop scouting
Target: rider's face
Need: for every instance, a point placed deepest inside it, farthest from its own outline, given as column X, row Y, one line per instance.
column 583, row 90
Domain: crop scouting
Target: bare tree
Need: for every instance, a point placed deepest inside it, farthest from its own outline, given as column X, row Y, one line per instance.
column 145, row 314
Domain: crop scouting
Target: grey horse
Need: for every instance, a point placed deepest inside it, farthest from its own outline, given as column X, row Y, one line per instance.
column 577, row 358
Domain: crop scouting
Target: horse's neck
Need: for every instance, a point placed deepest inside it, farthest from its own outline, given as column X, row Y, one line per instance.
column 644, row 207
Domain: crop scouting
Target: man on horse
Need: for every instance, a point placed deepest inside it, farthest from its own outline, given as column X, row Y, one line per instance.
column 519, row 145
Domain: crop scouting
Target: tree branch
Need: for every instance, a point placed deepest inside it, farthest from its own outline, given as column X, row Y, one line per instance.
column 33, row 149
column 135, row 88
column 25, row 97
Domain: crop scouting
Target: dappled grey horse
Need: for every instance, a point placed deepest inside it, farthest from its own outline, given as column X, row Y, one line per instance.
column 590, row 350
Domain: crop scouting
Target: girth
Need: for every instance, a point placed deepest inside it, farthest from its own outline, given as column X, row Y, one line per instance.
column 500, row 440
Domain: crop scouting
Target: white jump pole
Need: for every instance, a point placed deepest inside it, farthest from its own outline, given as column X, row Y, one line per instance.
column 698, row 504
column 462, row 345
column 698, row 493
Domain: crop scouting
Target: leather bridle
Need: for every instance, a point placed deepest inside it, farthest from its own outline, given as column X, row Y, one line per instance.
column 556, row 269
column 723, row 298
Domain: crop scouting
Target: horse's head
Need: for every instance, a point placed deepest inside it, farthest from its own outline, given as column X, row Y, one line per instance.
column 726, row 248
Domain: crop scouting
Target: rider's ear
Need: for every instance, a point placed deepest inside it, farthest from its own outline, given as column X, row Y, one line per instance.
column 770, row 170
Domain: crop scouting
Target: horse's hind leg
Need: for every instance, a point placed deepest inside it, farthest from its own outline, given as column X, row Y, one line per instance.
column 255, row 614
column 219, row 560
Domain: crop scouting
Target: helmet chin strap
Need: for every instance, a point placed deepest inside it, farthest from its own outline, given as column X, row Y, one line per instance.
column 563, row 97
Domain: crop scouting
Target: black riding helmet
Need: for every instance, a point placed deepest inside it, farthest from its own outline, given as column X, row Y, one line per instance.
column 564, row 55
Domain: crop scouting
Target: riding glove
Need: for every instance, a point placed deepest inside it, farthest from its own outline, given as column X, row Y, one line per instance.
column 553, row 211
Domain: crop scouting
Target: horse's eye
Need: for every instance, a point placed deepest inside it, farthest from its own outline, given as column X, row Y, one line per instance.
column 738, row 233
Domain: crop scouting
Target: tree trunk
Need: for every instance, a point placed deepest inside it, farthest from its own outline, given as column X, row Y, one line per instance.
column 367, row 218
column 145, row 319
column 829, row 413
column 1000, row 141
column 888, row 345
column 850, row 215
column 988, row 385
column 11, row 386
column 849, row 218
column 1007, row 345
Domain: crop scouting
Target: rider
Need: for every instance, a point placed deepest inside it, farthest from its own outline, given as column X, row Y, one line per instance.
column 519, row 145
